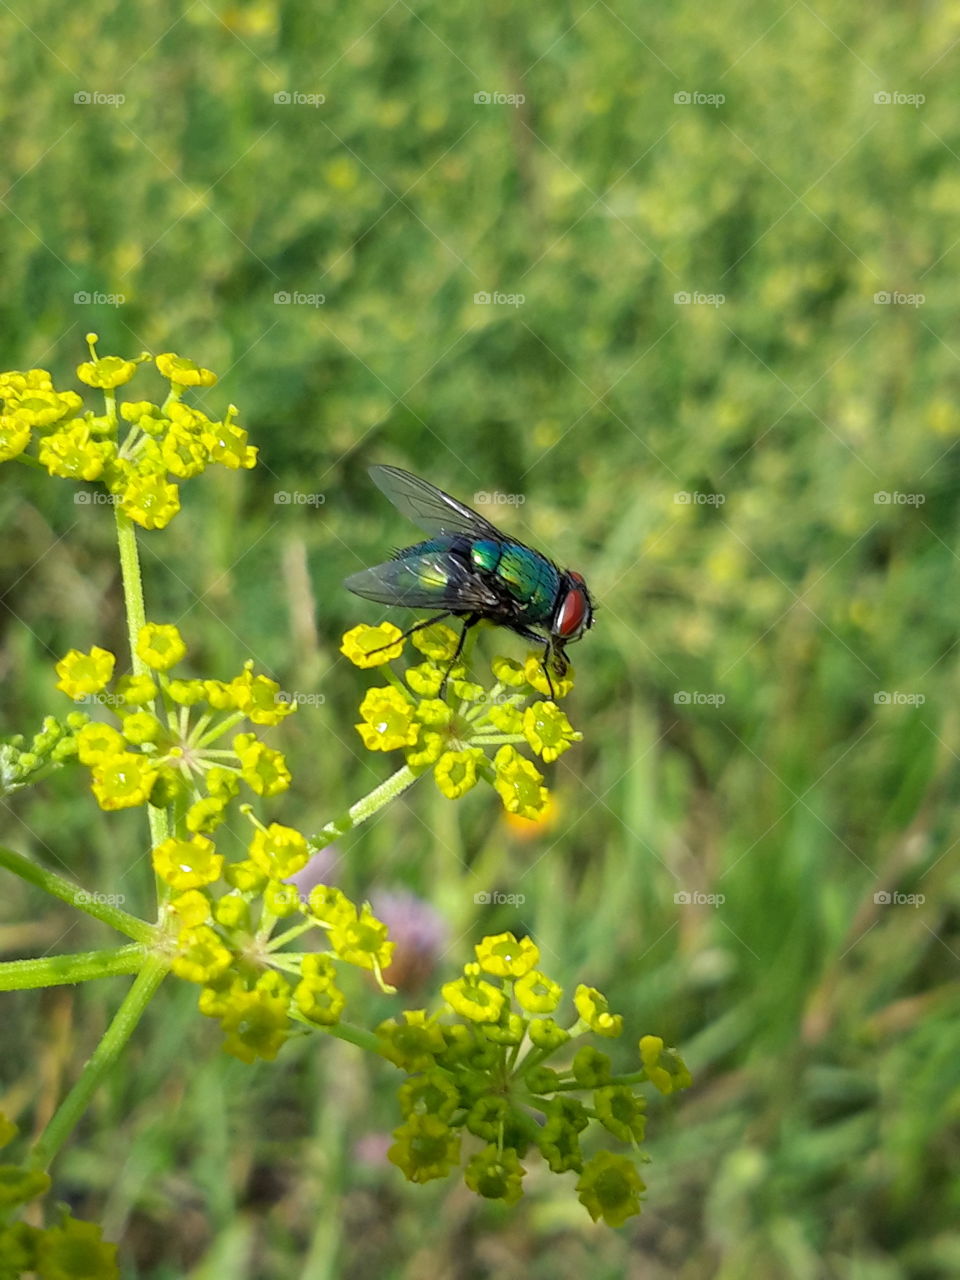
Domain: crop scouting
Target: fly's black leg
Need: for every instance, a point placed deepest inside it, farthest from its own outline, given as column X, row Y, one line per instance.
column 548, row 651
column 437, row 617
column 470, row 621
column 545, row 664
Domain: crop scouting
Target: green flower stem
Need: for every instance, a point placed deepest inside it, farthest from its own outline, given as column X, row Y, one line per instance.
column 633, row 1077
column 220, row 729
column 104, row 1057
column 136, row 619
column 496, row 739
column 53, row 971
column 396, row 682
column 358, row 1036
column 283, row 938
column 535, row 1058
column 480, row 712
column 367, row 807
column 55, row 885
column 30, row 461
column 132, row 587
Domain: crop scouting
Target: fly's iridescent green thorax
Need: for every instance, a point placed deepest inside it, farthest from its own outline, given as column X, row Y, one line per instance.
column 468, row 568
column 531, row 580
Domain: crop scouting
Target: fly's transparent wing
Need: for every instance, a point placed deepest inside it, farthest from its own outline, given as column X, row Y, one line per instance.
column 429, row 507
column 428, row 580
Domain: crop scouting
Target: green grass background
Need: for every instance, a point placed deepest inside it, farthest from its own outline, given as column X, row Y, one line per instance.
column 822, row 1136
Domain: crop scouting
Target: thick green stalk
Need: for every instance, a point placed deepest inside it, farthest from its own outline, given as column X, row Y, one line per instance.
column 366, row 1040
column 378, row 798
column 83, row 900
column 101, row 1063
column 53, row 971
column 132, row 586
column 136, row 618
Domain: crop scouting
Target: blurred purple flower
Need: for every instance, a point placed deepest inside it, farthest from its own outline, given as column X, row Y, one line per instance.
column 419, row 931
column 372, row 1148
column 321, row 869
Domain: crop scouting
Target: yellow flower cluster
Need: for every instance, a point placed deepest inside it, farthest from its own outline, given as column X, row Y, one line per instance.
column 162, row 444
column 453, row 739
column 487, row 1074
column 220, row 914
column 166, row 745
column 223, row 916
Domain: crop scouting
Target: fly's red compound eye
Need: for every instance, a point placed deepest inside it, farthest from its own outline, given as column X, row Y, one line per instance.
column 573, row 611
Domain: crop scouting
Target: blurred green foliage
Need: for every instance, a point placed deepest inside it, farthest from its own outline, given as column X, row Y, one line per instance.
column 821, row 1025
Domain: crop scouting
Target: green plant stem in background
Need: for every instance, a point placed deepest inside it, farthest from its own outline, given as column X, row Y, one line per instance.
column 104, row 1057
column 367, row 807
column 52, row 971
column 55, row 885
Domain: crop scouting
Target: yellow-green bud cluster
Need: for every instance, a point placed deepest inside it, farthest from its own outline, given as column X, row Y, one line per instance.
column 22, row 763
column 483, row 1082
column 67, row 1249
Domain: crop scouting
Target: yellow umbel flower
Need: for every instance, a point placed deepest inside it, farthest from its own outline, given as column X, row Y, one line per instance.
column 535, row 675
column 107, row 372
column 160, row 645
column 536, row 993
column 621, row 1111
column 263, row 769
column 183, row 372
column 519, row 784
column 592, row 1007
column 495, row 1174
column 187, row 864
column 97, row 742
column 83, row 673
column 226, row 443
column 548, row 730
column 183, row 455
column 474, row 999
column 424, row 679
column 279, row 851
column 257, row 1022
column 136, row 691
column 317, row 995
column 424, row 1148
column 201, row 956
column 259, row 697
column 388, row 720
column 123, row 780
column 610, row 1188
column 414, row 1043
column 665, row 1069
column 504, row 957
column 455, row 772
column 14, row 436
column 331, row 906
column 72, row 453
column 41, row 407
column 149, row 501
column 191, row 908
column 372, row 646
column 362, row 941
column 437, row 642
